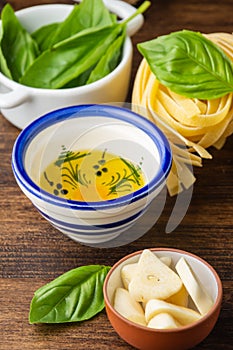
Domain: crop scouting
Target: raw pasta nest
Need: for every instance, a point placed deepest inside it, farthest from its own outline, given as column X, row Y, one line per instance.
column 191, row 125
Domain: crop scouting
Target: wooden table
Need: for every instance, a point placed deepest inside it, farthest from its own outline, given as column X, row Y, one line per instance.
column 32, row 252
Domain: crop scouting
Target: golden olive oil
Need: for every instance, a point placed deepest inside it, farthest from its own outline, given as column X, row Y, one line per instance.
column 91, row 176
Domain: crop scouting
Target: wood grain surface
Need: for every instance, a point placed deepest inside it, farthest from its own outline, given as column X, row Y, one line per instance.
column 32, row 253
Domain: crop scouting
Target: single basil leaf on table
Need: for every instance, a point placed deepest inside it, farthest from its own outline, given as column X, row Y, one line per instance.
column 189, row 64
column 18, row 47
column 88, row 14
column 77, row 295
column 109, row 60
column 70, row 58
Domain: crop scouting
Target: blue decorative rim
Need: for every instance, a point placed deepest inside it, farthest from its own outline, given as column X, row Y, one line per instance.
column 90, row 110
column 95, row 228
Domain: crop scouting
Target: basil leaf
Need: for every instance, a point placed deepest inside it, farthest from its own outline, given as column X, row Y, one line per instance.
column 189, row 64
column 109, row 60
column 44, row 35
column 68, row 59
column 3, row 64
column 17, row 46
column 80, row 80
column 88, row 14
column 94, row 13
column 76, row 295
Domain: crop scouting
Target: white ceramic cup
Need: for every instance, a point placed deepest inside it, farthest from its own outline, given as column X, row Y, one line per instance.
column 22, row 104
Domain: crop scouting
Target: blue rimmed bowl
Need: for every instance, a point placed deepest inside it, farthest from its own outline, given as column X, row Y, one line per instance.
column 91, row 127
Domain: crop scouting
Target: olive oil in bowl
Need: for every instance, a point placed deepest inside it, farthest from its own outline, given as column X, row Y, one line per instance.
column 91, row 176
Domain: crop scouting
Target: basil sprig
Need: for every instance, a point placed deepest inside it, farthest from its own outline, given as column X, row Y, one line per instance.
column 77, row 295
column 189, row 64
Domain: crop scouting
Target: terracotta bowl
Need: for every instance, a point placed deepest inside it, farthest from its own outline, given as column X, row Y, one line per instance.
column 182, row 338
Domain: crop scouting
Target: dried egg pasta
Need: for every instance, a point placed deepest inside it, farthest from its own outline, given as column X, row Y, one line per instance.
column 190, row 122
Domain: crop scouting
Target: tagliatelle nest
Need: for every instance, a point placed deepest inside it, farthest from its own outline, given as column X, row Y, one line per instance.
column 191, row 125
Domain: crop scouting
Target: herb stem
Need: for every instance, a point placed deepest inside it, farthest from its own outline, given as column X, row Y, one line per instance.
column 142, row 8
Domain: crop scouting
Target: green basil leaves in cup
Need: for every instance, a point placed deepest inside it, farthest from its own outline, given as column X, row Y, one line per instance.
column 44, row 36
column 17, row 46
column 69, row 58
column 83, row 48
column 87, row 14
column 189, row 64
column 77, row 295
column 109, row 60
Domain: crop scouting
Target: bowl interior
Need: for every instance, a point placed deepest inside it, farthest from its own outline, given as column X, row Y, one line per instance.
column 103, row 128
column 88, row 133
column 205, row 274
